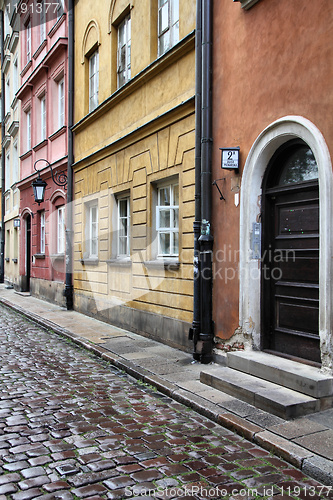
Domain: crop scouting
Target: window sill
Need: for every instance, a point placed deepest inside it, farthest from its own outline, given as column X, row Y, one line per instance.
column 168, row 264
column 126, row 262
column 58, row 256
column 39, row 50
column 39, row 255
column 58, row 133
column 26, row 155
column 90, row 261
column 57, row 25
column 40, row 145
column 26, row 67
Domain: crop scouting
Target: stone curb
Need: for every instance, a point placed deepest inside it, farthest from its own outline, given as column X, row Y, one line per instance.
column 311, row 464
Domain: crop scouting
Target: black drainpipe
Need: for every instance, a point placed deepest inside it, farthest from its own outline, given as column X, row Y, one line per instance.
column 195, row 330
column 3, row 179
column 206, row 336
column 69, row 289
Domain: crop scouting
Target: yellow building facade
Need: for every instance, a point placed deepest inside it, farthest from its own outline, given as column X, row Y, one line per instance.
column 134, row 164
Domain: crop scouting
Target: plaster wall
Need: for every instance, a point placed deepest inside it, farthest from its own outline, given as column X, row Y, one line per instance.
column 271, row 61
column 139, row 135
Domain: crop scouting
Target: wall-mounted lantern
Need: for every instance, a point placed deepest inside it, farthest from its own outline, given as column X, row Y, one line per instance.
column 39, row 185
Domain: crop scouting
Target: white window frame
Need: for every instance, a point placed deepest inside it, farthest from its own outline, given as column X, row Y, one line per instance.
column 168, row 24
column 124, row 51
column 15, row 162
column 61, row 229
column 28, row 130
column 7, row 95
column 42, row 21
column 60, row 9
column 123, row 222
column 61, row 103
column 7, row 170
column 43, row 118
column 93, row 80
column 28, row 40
column 42, row 232
column 173, row 229
column 15, row 74
column 92, row 224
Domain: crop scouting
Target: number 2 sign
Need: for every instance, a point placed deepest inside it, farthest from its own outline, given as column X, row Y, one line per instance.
column 230, row 158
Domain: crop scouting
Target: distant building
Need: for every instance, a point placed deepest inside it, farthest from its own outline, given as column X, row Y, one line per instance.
column 43, row 142
column 10, row 145
column 134, row 164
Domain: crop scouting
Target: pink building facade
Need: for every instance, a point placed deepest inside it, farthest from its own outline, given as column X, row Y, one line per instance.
column 43, row 143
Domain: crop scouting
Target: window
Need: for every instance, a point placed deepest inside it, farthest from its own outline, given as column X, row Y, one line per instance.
column 7, row 170
column 28, row 129
column 60, row 9
column 124, row 51
column 167, row 217
column 92, row 220
column 28, row 41
column 43, row 118
column 61, row 103
column 42, row 20
column 123, row 247
column 42, row 232
column 7, row 95
column 15, row 163
column 15, row 75
column 61, row 229
column 15, row 243
column 168, row 24
column 93, row 81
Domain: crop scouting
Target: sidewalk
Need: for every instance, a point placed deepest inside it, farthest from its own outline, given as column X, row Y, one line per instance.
column 307, row 442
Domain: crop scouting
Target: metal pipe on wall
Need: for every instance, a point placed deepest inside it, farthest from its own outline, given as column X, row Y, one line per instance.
column 206, row 239
column 69, row 289
column 195, row 329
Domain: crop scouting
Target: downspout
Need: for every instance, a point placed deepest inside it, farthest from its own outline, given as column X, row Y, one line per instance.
column 206, row 336
column 195, row 329
column 69, row 289
column 3, row 179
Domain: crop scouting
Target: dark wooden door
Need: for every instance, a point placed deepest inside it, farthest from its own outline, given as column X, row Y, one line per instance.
column 290, row 270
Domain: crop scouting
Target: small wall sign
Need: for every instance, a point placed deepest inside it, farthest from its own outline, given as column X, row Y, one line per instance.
column 230, row 158
column 17, row 222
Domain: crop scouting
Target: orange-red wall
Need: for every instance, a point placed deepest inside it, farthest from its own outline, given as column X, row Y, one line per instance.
column 273, row 60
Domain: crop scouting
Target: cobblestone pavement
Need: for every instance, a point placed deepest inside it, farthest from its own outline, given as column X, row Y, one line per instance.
column 73, row 426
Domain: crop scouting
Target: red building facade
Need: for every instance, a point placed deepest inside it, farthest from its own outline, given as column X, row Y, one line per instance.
column 43, row 141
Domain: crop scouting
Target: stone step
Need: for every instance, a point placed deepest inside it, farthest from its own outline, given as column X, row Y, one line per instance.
column 267, row 396
column 296, row 376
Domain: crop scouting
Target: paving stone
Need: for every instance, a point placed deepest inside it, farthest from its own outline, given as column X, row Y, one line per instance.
column 27, row 494
column 8, row 488
column 32, row 483
column 87, row 491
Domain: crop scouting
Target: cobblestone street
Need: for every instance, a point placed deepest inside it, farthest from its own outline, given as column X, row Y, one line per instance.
column 72, row 426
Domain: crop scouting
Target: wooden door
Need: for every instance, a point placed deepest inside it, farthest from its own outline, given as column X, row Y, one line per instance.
column 290, row 261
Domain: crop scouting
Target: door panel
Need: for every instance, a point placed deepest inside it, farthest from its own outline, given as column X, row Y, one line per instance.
column 290, row 274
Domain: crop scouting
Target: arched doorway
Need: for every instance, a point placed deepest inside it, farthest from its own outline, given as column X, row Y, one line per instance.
column 290, row 253
column 267, row 143
column 26, row 277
